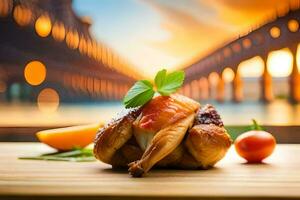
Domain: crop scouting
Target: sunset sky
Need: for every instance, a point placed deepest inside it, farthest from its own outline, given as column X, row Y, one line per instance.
column 155, row 34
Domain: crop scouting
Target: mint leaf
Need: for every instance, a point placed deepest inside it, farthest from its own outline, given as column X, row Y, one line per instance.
column 171, row 83
column 139, row 94
column 142, row 91
column 160, row 78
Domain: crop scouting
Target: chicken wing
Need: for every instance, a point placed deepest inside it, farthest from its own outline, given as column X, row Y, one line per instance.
column 110, row 143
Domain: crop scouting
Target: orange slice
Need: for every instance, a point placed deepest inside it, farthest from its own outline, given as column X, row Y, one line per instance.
column 67, row 138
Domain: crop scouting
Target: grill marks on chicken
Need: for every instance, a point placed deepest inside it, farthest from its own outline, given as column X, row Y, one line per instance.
column 166, row 132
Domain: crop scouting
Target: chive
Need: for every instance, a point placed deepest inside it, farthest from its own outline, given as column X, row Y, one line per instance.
column 77, row 155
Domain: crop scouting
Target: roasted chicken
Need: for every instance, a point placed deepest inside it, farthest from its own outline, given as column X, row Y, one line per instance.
column 169, row 131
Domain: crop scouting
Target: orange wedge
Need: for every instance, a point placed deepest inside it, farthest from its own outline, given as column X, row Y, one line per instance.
column 70, row 137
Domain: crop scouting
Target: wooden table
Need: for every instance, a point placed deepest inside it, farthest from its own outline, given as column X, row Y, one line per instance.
column 278, row 178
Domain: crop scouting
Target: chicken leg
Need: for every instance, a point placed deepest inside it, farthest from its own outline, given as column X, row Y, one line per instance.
column 163, row 143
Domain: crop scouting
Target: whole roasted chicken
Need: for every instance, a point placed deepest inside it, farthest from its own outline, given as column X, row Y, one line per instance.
column 169, row 131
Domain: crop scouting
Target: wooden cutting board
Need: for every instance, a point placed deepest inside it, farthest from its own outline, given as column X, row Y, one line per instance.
column 27, row 179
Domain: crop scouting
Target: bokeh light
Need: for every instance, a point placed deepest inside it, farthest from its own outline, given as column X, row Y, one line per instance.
column 204, row 88
column 58, row 31
column 82, row 45
column 236, row 47
column 35, row 73
column 275, row 32
column 22, row 15
column 43, row 26
column 247, row 43
column 99, row 54
column 280, row 63
column 94, row 51
column 89, row 48
column 228, row 75
column 2, row 86
column 253, row 67
column 213, row 78
column 72, row 39
column 298, row 57
column 5, row 7
column 227, row 52
column 48, row 100
column 293, row 25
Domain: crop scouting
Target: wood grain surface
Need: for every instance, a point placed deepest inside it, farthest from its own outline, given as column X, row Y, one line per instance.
column 278, row 177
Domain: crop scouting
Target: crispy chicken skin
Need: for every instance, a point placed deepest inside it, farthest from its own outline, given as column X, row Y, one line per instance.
column 207, row 141
column 160, row 128
column 161, row 112
column 162, row 144
column 169, row 131
column 113, row 136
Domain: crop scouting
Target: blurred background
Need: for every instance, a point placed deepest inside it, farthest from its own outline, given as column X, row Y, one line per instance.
column 65, row 62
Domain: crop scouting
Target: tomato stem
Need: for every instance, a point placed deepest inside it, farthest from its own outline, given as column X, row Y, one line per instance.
column 255, row 125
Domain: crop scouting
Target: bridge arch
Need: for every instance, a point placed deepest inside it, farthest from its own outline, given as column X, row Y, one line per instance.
column 283, row 32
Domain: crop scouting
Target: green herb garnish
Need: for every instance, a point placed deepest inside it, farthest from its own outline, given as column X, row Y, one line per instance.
column 143, row 91
column 76, row 155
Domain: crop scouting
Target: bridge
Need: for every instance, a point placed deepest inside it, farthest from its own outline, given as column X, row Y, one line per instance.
column 44, row 44
column 279, row 33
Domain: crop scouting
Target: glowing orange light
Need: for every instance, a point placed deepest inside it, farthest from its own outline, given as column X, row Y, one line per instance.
column 227, row 52
column 82, row 45
column 94, row 51
column 204, row 88
column 253, row 67
column 97, row 86
column 43, row 26
column 104, row 55
column 236, row 47
column 280, row 63
column 228, row 75
column 109, row 58
column 293, row 25
column 35, row 72
column 48, row 100
column 108, row 89
column 58, row 31
column 5, row 7
column 99, row 53
column 2, row 86
column 195, row 87
column 275, row 32
column 213, row 78
column 74, row 82
column 298, row 57
column 22, row 15
column 89, row 48
column 247, row 43
column 72, row 39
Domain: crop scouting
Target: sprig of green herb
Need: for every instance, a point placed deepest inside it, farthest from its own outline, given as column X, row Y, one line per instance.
column 76, row 155
column 143, row 91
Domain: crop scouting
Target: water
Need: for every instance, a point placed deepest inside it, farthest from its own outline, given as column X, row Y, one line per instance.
column 279, row 112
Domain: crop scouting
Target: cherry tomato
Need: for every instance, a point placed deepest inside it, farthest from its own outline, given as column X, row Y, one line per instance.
column 255, row 145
